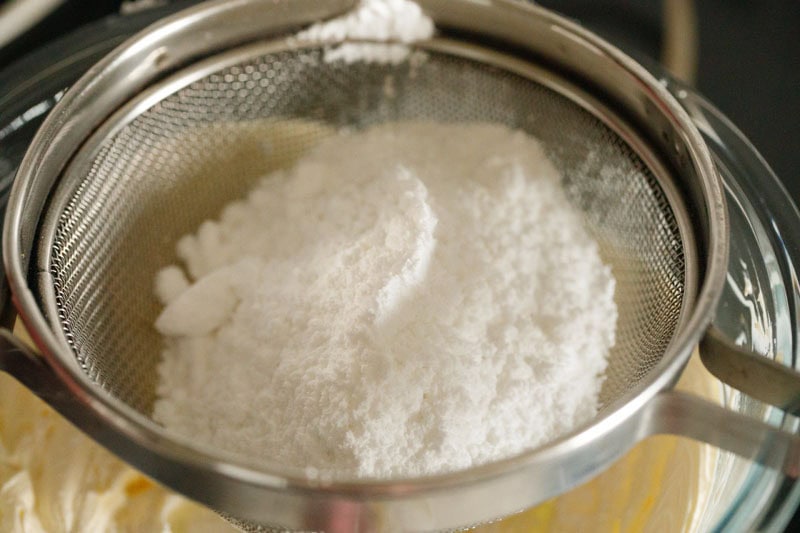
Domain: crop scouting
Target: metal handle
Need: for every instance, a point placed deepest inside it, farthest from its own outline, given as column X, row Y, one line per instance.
column 755, row 375
column 683, row 414
column 27, row 367
column 762, row 378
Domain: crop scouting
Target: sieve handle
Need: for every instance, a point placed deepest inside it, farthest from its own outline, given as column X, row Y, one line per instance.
column 32, row 371
column 683, row 414
column 757, row 376
column 760, row 377
column 27, row 367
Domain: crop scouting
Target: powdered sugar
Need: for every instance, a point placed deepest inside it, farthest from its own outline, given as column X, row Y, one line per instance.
column 398, row 21
column 411, row 299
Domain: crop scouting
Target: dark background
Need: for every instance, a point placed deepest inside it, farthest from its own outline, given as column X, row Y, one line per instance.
column 748, row 61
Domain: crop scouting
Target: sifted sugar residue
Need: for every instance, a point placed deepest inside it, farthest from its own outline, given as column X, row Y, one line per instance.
column 410, row 299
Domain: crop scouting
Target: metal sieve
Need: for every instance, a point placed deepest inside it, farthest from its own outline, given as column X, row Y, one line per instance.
column 186, row 116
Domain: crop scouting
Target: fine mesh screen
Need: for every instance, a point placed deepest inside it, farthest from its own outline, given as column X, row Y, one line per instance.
column 182, row 160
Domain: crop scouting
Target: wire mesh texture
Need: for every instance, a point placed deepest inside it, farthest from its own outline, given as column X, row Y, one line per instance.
column 177, row 163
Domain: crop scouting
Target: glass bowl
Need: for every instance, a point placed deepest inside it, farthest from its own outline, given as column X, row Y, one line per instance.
column 758, row 308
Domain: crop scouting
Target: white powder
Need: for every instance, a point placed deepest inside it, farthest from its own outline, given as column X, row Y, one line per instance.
column 411, row 299
column 398, row 21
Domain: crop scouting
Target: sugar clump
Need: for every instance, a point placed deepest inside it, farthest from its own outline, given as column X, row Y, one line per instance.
column 393, row 24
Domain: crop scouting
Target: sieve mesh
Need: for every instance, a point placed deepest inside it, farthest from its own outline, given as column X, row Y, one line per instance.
column 185, row 157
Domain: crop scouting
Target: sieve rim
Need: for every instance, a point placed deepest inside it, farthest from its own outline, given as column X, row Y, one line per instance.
column 84, row 158
column 127, row 422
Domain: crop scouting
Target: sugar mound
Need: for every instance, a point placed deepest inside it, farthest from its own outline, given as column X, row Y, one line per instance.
column 392, row 23
column 411, row 299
